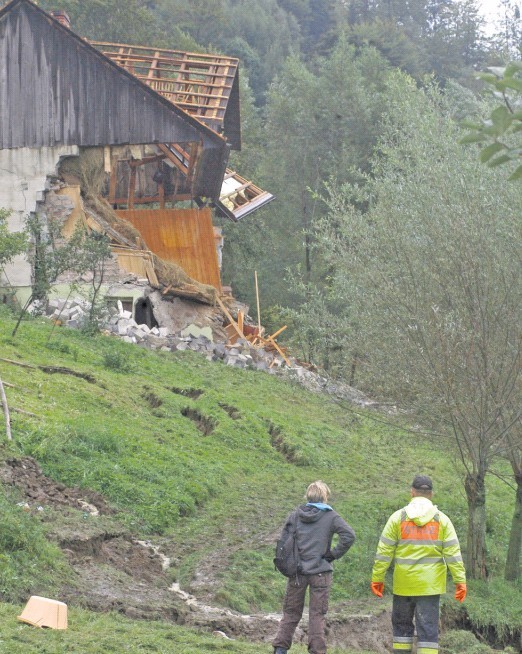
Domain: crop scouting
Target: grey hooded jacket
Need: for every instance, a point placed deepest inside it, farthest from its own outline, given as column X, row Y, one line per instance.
column 315, row 530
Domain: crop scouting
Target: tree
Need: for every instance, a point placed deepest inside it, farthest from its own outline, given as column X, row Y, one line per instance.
column 514, row 454
column 444, row 36
column 500, row 130
column 11, row 243
column 90, row 252
column 122, row 21
column 430, row 276
column 321, row 121
column 51, row 255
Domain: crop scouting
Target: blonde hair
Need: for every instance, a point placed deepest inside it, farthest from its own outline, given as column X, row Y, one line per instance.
column 317, row 492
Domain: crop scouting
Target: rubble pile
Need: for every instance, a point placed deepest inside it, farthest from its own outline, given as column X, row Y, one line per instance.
column 120, row 323
column 242, row 354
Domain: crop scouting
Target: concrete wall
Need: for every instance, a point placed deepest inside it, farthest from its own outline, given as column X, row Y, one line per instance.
column 23, row 173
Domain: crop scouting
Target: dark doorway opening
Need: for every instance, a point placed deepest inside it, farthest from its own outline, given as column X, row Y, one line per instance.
column 143, row 313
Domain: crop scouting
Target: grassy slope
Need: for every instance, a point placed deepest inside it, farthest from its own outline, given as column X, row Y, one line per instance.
column 90, row 633
column 218, row 499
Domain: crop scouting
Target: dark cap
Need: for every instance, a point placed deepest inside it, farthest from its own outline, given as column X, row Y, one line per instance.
column 422, row 482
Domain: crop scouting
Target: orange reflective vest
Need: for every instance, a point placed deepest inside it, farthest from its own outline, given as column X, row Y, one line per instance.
column 423, row 549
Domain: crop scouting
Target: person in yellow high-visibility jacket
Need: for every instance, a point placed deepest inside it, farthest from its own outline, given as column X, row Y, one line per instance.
column 423, row 544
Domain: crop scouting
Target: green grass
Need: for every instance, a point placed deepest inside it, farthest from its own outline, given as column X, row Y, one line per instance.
column 90, row 633
column 29, row 563
column 217, row 501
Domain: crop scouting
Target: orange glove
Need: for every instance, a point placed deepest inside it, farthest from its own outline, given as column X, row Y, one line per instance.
column 460, row 592
column 377, row 588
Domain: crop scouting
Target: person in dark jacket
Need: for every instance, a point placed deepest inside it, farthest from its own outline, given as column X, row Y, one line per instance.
column 317, row 523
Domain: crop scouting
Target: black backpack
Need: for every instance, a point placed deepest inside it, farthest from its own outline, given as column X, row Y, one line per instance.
column 287, row 559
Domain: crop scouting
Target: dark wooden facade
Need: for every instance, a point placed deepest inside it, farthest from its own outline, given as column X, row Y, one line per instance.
column 56, row 89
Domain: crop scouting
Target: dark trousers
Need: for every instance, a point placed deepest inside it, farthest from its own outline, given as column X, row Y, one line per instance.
column 425, row 610
column 293, row 610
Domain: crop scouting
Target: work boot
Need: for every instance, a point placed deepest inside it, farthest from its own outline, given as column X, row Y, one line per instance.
column 280, row 650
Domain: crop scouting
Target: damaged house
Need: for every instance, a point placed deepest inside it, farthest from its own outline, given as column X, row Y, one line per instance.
column 131, row 142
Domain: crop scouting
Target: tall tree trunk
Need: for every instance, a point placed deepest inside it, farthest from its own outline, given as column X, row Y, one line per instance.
column 476, row 549
column 512, row 571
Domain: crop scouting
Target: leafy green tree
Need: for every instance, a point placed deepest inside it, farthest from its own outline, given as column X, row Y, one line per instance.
column 508, row 38
column 445, row 36
column 203, row 20
column 429, row 280
column 319, row 123
column 89, row 254
column 122, row 21
column 51, row 255
column 11, row 243
column 393, row 43
column 498, row 134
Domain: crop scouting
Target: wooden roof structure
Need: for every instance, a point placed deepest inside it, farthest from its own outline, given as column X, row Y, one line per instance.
column 205, row 85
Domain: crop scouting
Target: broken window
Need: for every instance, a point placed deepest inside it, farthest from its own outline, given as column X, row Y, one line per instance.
column 239, row 197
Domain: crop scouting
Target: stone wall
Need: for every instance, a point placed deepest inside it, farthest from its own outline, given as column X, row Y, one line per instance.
column 23, row 179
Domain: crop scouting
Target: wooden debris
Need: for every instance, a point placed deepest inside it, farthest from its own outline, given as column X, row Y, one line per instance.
column 236, row 330
column 229, row 318
column 6, row 412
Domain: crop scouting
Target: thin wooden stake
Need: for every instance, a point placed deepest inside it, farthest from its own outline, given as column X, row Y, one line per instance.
column 6, row 412
column 257, row 299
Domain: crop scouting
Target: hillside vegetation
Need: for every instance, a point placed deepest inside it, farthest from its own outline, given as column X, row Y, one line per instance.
column 207, row 461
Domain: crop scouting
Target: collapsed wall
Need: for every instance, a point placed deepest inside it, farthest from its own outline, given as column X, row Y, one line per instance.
column 64, row 185
column 23, row 178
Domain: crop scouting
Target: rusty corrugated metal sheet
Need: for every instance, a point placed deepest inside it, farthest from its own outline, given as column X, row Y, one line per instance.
column 181, row 236
column 57, row 89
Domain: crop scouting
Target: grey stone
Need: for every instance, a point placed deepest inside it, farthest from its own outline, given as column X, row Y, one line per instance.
column 122, row 328
column 182, row 346
column 157, row 341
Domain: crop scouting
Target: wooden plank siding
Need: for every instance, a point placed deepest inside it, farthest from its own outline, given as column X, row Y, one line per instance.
column 181, row 236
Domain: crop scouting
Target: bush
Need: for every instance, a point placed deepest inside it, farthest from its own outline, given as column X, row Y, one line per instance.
column 117, row 361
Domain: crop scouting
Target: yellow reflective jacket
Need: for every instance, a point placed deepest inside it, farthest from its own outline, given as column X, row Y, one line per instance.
column 422, row 542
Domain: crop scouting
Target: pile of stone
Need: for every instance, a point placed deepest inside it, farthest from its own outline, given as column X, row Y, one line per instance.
column 120, row 323
column 71, row 313
column 242, row 354
column 316, row 383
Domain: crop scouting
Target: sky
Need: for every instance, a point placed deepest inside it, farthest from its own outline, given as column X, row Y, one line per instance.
column 490, row 11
